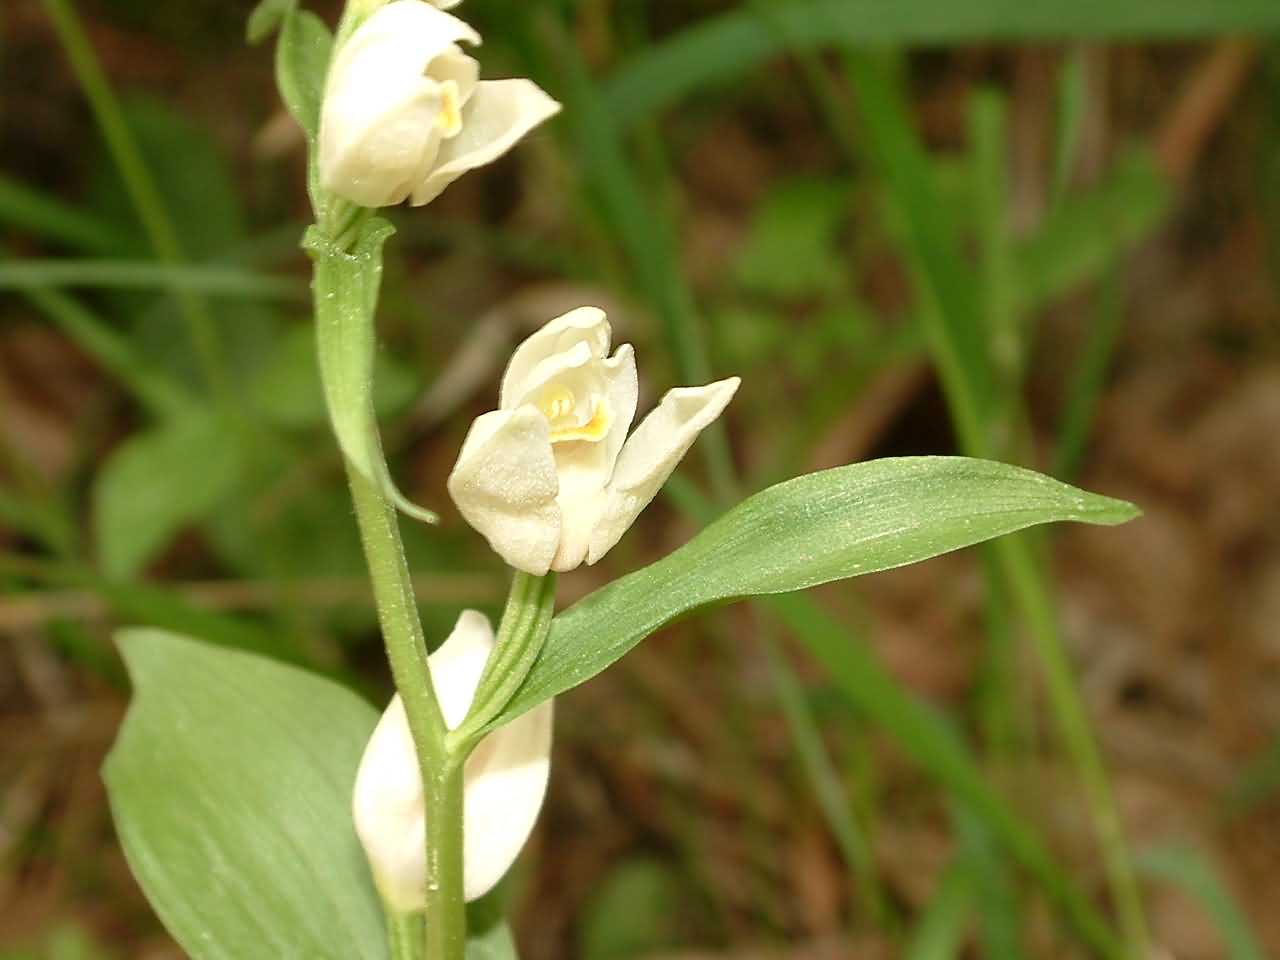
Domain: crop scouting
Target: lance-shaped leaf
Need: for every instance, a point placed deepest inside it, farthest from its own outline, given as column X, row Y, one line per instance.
column 302, row 59
column 346, row 298
column 230, row 784
column 811, row 530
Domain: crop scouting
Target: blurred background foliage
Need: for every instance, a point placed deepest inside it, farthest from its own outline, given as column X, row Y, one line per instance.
column 1043, row 233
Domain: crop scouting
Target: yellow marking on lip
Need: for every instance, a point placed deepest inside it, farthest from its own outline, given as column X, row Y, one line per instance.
column 449, row 119
column 594, row 429
column 557, row 401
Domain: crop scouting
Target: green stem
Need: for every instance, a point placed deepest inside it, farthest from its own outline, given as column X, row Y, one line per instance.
column 137, row 181
column 526, row 620
column 964, row 372
column 1018, row 565
column 441, row 769
column 446, row 928
column 405, row 935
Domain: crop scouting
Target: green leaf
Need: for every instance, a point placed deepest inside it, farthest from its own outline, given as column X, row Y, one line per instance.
column 937, row 747
column 266, row 17
column 488, row 935
column 791, row 250
column 230, row 785
column 1085, row 235
column 58, row 220
column 288, row 392
column 346, row 297
column 719, row 49
column 811, row 530
column 191, row 175
column 940, row 933
column 158, row 482
column 636, row 911
column 302, row 60
column 1190, row 869
column 495, row 943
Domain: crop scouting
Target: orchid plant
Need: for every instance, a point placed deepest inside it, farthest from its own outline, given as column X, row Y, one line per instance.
column 269, row 812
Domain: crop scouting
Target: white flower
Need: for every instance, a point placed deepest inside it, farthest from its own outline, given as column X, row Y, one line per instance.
column 404, row 114
column 505, row 779
column 551, row 478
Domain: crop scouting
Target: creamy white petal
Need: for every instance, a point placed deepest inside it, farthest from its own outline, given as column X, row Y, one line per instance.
column 623, row 393
column 652, row 452
column 498, row 115
column 378, row 125
column 505, row 486
column 446, row 4
column 585, row 325
column 585, row 467
column 455, row 65
column 457, row 664
column 387, row 806
column 378, row 165
column 505, row 781
column 404, row 32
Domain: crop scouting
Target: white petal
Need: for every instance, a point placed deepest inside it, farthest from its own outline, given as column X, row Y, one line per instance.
column 446, row 4
column 457, row 664
column 498, row 114
column 378, row 129
column 584, row 468
column 388, row 811
column 623, row 393
column 652, row 452
column 505, row 780
column 402, row 32
column 585, row 325
column 505, row 486
column 455, row 65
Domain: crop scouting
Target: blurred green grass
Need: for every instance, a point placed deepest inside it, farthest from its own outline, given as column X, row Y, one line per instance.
column 213, row 460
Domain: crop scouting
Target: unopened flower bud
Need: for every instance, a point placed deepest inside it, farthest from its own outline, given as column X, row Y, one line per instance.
column 504, row 781
column 405, row 113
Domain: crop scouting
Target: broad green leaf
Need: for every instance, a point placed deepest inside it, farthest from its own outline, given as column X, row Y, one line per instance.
column 230, row 784
column 814, row 529
column 158, row 482
column 302, row 60
column 722, row 48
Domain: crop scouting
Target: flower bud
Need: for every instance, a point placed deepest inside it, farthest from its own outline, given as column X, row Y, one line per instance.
column 504, row 781
column 405, row 113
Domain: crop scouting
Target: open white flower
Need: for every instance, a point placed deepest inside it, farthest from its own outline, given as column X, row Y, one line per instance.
column 505, row 780
column 551, row 478
column 404, row 113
